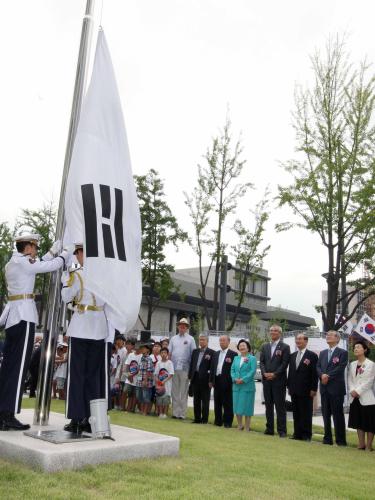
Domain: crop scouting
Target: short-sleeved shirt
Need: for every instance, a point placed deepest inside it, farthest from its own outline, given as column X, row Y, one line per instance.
column 132, row 366
column 162, row 371
column 181, row 348
column 145, row 373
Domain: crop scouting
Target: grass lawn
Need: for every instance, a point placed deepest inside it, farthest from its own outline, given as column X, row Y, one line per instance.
column 213, row 463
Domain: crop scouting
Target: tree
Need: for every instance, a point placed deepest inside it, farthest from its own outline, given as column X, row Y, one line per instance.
column 255, row 338
column 43, row 222
column 332, row 193
column 159, row 229
column 278, row 318
column 6, row 246
column 212, row 202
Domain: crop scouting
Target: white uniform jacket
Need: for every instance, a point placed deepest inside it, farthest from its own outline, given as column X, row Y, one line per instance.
column 20, row 274
column 85, row 324
column 362, row 382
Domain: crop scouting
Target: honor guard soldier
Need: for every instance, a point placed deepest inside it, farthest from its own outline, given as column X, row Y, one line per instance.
column 87, row 330
column 20, row 316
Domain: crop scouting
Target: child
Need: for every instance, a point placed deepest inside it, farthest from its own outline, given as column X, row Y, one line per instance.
column 61, row 370
column 163, row 381
column 155, row 356
column 144, row 380
column 121, row 375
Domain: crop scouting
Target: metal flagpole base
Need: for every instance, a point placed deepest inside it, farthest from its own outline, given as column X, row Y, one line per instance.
column 59, row 436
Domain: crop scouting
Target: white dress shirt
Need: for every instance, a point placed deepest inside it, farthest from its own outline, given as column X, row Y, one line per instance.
column 20, row 273
column 273, row 347
column 220, row 361
column 302, row 351
column 88, row 324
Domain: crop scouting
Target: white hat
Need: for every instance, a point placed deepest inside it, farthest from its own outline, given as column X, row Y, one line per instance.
column 28, row 237
column 183, row 321
column 78, row 246
column 62, row 344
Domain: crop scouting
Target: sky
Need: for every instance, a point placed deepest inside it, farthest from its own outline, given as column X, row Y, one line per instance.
column 179, row 66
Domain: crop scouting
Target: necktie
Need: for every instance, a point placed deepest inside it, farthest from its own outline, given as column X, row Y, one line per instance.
column 299, row 357
column 329, row 355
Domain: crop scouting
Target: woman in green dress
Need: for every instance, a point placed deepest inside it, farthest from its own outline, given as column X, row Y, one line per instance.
column 242, row 373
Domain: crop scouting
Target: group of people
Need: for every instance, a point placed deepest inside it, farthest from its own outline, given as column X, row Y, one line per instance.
column 305, row 370
column 195, row 371
column 142, row 374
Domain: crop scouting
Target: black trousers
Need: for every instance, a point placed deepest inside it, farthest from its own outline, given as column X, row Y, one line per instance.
column 34, row 370
column 223, row 402
column 332, row 405
column 18, row 347
column 85, row 376
column 274, row 396
column 201, row 398
column 302, row 416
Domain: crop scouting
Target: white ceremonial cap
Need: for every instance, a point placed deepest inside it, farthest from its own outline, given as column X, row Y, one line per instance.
column 29, row 237
column 78, row 246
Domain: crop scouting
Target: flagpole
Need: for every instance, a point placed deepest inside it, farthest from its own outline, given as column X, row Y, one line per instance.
column 43, row 399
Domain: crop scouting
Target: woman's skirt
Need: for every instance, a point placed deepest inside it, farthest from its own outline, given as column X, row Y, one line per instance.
column 243, row 403
column 361, row 417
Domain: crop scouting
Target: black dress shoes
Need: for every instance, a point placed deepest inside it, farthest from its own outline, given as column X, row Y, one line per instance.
column 282, row 434
column 72, row 426
column 78, row 426
column 196, row 422
column 268, row 433
column 84, row 426
column 8, row 422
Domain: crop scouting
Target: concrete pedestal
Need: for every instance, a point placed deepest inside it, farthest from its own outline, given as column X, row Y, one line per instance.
column 129, row 444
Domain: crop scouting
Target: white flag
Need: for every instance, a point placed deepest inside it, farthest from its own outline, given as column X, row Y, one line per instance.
column 347, row 327
column 101, row 205
column 366, row 328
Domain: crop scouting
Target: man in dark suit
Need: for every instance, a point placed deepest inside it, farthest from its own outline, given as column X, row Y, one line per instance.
column 199, row 374
column 331, row 371
column 302, row 386
column 274, row 359
column 221, row 381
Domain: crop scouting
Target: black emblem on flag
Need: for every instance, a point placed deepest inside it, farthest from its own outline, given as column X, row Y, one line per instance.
column 91, row 221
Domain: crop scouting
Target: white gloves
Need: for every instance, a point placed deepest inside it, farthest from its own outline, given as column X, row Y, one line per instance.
column 65, row 277
column 56, row 247
column 67, row 253
column 69, row 248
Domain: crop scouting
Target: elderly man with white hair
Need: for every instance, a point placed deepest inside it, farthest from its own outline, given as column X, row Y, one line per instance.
column 221, row 381
column 181, row 348
column 331, row 371
column 274, row 360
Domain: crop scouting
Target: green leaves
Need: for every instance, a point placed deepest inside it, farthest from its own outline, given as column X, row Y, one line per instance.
column 332, row 188
column 212, row 203
column 159, row 229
